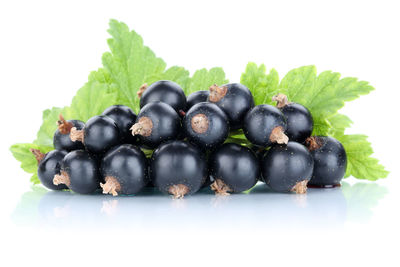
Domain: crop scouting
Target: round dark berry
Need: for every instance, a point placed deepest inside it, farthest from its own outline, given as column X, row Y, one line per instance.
column 196, row 97
column 234, row 99
column 265, row 125
column 165, row 91
column 287, row 168
column 299, row 120
column 234, row 168
column 49, row 164
column 178, row 168
column 124, row 117
column 80, row 172
column 124, row 170
column 330, row 161
column 206, row 125
column 156, row 122
column 62, row 140
column 99, row 135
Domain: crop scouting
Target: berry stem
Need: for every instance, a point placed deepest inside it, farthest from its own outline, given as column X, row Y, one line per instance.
column 220, row 188
column 178, row 191
column 64, row 126
column 143, row 127
column 278, row 136
column 281, row 100
column 142, row 89
column 313, row 143
column 111, row 186
column 199, row 123
column 217, row 93
column 76, row 135
column 62, row 178
column 38, row 154
column 300, row 187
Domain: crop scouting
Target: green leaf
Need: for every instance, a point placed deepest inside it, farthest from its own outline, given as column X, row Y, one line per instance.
column 299, row 82
column 263, row 86
column 324, row 94
column 339, row 123
column 22, row 153
column 360, row 164
column 130, row 64
column 48, row 127
column 202, row 80
column 177, row 74
column 91, row 100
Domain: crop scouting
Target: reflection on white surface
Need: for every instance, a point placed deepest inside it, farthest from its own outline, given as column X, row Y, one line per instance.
column 261, row 208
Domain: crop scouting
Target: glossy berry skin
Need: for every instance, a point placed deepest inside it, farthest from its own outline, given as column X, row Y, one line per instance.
column 100, row 134
column 128, row 165
column 330, row 162
column 299, row 122
column 259, row 123
column 237, row 166
column 215, row 122
column 196, row 97
column 165, row 91
column 178, row 162
column 124, row 117
column 237, row 101
column 63, row 141
column 283, row 166
column 49, row 166
column 83, row 172
column 166, row 123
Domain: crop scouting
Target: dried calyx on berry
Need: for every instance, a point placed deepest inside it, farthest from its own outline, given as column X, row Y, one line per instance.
column 298, row 119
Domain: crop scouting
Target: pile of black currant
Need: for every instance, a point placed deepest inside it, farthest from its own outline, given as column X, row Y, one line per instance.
column 194, row 146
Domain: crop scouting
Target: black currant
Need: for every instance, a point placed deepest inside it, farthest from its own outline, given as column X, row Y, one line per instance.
column 265, row 125
column 165, row 91
column 124, row 170
column 298, row 118
column 287, row 168
column 330, row 161
column 156, row 122
column 234, row 99
column 62, row 140
column 206, row 125
column 196, row 97
column 80, row 172
column 99, row 134
column 124, row 117
column 49, row 164
column 234, row 168
column 178, row 168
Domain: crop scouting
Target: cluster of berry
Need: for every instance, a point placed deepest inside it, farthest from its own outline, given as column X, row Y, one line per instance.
column 189, row 135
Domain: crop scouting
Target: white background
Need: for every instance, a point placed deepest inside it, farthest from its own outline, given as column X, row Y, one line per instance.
column 47, row 50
